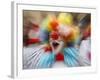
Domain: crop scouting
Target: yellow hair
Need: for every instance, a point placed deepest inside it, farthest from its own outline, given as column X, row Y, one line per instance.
column 65, row 18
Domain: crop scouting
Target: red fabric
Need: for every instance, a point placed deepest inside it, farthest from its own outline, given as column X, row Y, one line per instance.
column 59, row 57
column 48, row 49
column 34, row 40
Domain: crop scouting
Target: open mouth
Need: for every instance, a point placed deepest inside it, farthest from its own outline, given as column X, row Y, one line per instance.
column 55, row 44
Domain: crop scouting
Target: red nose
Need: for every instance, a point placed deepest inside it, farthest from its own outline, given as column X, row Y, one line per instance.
column 54, row 35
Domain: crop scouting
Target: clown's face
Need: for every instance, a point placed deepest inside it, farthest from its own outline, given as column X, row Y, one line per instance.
column 58, row 38
column 56, row 42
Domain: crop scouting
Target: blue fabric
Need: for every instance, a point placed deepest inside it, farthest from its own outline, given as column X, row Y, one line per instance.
column 46, row 61
column 71, row 56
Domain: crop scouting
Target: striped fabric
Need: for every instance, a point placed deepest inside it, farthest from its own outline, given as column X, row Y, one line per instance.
column 71, row 57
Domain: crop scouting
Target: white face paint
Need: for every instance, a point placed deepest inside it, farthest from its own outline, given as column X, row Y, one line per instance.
column 56, row 44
